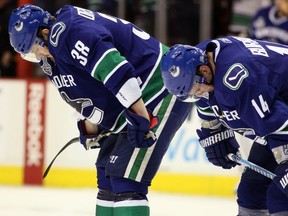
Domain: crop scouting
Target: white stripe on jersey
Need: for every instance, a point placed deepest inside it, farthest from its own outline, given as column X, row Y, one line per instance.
column 114, row 70
column 150, row 149
column 158, row 132
column 131, row 203
column 104, row 203
column 100, row 60
column 154, row 68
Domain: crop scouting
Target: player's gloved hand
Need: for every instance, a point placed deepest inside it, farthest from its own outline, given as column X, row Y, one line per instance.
column 87, row 140
column 281, row 178
column 140, row 134
column 218, row 143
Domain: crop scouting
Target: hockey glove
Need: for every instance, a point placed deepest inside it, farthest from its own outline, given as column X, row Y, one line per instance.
column 139, row 129
column 218, row 144
column 281, row 178
column 87, row 140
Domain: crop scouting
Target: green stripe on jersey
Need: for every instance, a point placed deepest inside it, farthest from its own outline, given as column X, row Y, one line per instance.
column 104, row 210
column 107, row 64
column 283, row 130
column 131, row 211
column 137, row 163
column 143, row 154
column 152, row 88
column 155, row 83
column 207, row 111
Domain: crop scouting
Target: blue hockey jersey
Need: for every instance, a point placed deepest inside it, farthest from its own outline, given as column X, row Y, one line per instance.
column 267, row 25
column 98, row 60
column 250, row 87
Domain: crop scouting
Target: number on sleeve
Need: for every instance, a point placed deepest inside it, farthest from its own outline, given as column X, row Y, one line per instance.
column 80, row 52
column 264, row 106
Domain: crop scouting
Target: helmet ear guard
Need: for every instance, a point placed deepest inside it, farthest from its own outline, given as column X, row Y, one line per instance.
column 179, row 66
column 24, row 24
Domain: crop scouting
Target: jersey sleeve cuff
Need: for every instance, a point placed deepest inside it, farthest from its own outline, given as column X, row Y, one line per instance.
column 129, row 92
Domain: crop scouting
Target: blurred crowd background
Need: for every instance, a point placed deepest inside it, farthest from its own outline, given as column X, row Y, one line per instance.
column 184, row 20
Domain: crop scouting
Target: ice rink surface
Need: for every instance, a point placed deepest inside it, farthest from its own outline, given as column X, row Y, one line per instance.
column 43, row 201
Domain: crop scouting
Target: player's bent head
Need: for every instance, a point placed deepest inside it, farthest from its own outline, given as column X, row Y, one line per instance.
column 24, row 24
column 179, row 66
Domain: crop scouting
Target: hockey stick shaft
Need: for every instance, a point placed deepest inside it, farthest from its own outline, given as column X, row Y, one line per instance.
column 74, row 140
column 251, row 165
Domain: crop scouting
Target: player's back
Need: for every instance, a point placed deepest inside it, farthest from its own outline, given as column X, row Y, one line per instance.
column 101, row 53
column 138, row 47
column 250, row 84
column 256, row 63
column 249, row 71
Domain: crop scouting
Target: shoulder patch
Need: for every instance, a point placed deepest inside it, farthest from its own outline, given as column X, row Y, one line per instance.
column 235, row 76
column 56, row 30
column 46, row 67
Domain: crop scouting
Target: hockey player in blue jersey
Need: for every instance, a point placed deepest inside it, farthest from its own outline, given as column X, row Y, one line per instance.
column 271, row 23
column 239, row 84
column 109, row 71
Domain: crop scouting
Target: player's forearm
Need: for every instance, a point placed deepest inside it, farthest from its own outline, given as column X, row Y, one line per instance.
column 139, row 108
column 90, row 128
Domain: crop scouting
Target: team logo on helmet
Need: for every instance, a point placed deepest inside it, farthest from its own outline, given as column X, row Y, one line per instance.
column 46, row 20
column 174, row 70
column 202, row 59
column 19, row 26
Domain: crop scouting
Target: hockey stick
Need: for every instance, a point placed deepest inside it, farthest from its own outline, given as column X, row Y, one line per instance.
column 251, row 166
column 74, row 140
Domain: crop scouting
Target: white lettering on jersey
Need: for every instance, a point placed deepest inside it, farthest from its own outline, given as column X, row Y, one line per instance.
column 231, row 115
column 140, row 33
column 228, row 115
column 85, row 13
column 80, row 52
column 283, row 50
column 262, row 108
column 254, row 47
column 63, row 81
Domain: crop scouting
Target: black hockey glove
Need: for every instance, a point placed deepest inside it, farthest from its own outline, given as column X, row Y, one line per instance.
column 139, row 129
column 90, row 141
column 218, row 144
column 281, row 178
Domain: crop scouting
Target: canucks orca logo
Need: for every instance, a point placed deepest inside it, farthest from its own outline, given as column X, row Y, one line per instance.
column 175, row 71
column 85, row 107
column 19, row 26
column 56, row 31
column 78, row 104
column 235, row 76
column 46, row 67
